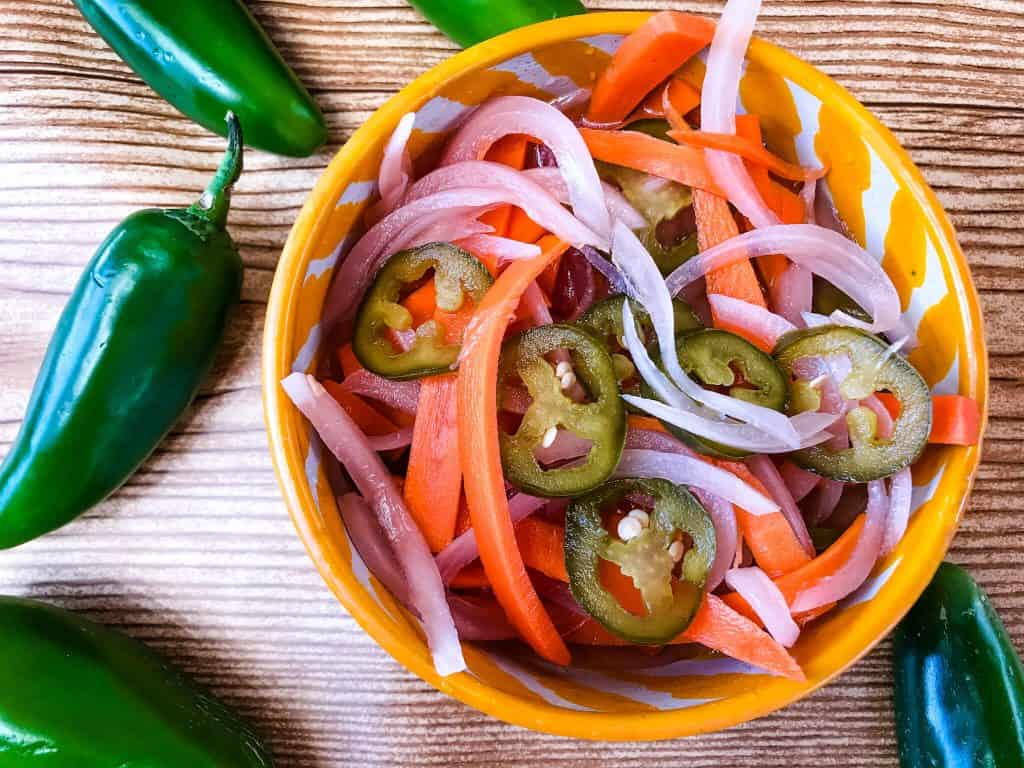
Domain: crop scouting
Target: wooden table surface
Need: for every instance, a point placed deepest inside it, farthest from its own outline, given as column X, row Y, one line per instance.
column 197, row 556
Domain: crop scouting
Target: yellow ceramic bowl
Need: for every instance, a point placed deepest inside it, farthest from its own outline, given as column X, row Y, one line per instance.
column 889, row 209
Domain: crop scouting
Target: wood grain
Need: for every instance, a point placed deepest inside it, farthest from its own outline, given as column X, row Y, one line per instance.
column 197, row 556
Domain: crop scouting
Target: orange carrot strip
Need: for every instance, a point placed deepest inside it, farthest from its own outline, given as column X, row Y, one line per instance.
column 719, row 627
column 753, row 152
column 956, row 420
column 653, row 52
column 543, row 546
column 471, row 577
column 421, row 303
column 683, row 97
column 715, row 225
column 511, row 151
column 636, row 421
column 891, row 403
column 522, row 228
column 770, row 537
column 433, row 481
column 481, row 458
column 645, row 153
column 809, row 574
column 348, row 361
column 366, row 417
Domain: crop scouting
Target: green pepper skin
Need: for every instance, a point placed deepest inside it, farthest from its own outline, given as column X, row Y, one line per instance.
column 136, row 338
column 959, row 690
column 645, row 559
column 208, row 57
column 75, row 694
column 469, row 22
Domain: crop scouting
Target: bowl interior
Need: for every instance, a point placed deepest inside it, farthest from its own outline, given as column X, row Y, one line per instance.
column 880, row 195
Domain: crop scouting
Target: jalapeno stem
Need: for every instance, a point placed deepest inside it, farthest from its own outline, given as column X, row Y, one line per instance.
column 215, row 201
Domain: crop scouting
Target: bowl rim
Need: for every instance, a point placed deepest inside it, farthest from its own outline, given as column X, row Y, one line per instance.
column 288, row 461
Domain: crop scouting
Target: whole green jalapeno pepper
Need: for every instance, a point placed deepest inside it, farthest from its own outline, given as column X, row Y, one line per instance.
column 75, row 694
column 208, row 57
column 135, row 340
column 456, row 274
column 469, row 22
column 602, row 421
column 959, row 690
column 874, row 368
column 671, row 584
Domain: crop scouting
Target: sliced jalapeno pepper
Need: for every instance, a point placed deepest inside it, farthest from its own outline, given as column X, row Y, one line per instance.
column 715, row 357
column 874, row 369
column 602, row 420
column 456, row 274
column 671, row 596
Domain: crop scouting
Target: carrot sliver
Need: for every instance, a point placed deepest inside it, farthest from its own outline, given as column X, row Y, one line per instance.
column 770, row 537
column 956, row 420
column 433, row 481
column 348, row 361
column 651, row 424
column 421, row 303
column 481, row 458
column 511, row 151
column 522, row 228
column 715, row 224
column 366, row 417
column 471, row 577
column 463, row 522
column 752, row 152
column 543, row 546
column 809, row 574
column 720, row 628
column 641, row 152
column 654, row 51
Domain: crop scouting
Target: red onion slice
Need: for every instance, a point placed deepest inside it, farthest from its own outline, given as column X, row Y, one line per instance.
column 901, row 487
column 403, row 395
column 718, row 108
column 858, row 567
column 400, row 439
column 825, row 503
column 477, row 618
column 765, row 471
column 756, row 322
column 723, row 517
column 799, row 481
column 619, row 208
column 566, row 447
column 347, row 442
column 531, row 117
column 464, row 549
column 792, row 294
column 611, row 273
column 842, row 262
column 395, row 170
column 684, row 470
column 503, row 249
column 768, row 602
